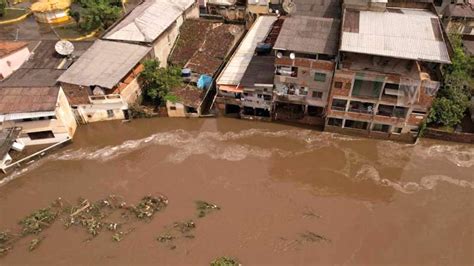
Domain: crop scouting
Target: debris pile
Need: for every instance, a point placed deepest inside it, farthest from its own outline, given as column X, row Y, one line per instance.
column 111, row 213
column 205, row 208
column 148, row 206
column 176, row 231
column 225, row 261
column 38, row 221
column 313, row 237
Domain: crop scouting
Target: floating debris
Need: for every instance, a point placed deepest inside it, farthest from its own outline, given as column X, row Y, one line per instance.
column 313, row 237
column 225, row 261
column 37, row 221
column 148, row 206
column 117, row 237
column 205, row 208
column 34, row 243
column 185, row 227
column 5, row 242
column 165, row 238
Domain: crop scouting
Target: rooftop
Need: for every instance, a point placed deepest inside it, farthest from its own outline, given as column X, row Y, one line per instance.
column 189, row 95
column 104, row 64
column 148, row 20
column 462, row 11
column 311, row 35
column 235, row 69
column 203, row 45
column 401, row 33
column 261, row 71
column 8, row 47
column 318, row 8
column 44, row 66
column 26, row 100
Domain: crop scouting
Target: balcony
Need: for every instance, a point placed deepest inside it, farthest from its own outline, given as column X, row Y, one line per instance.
column 105, row 99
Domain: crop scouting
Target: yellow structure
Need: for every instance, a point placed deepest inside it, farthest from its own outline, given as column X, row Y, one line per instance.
column 51, row 11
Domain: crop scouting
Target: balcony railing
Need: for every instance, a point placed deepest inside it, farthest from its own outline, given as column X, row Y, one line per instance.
column 100, row 99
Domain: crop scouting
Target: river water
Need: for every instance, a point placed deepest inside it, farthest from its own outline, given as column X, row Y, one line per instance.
column 376, row 202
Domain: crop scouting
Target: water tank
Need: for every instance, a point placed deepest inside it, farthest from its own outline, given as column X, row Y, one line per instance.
column 263, row 48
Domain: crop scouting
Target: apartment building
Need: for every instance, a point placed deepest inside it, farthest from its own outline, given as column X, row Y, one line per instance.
column 387, row 72
column 305, row 51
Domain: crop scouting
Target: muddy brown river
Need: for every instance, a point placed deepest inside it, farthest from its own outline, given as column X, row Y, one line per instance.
column 372, row 202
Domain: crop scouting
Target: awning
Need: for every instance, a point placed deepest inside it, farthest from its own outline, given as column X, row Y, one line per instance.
column 231, row 88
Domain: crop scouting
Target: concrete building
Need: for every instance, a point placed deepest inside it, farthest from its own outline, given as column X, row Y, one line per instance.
column 201, row 58
column 104, row 80
column 387, row 72
column 229, row 10
column 30, row 98
column 306, row 51
column 42, row 113
column 229, row 89
column 12, row 56
column 154, row 23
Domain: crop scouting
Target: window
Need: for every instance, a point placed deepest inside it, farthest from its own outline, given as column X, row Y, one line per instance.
column 110, row 113
column 338, row 85
column 321, row 77
column 418, row 112
column 41, row 135
column 267, row 97
column 335, row 122
column 397, row 130
column 338, row 104
column 173, row 108
column 367, row 88
column 287, row 71
column 400, row 112
column 317, row 94
column 315, row 110
column 381, row 128
column 356, row 124
column 360, row 107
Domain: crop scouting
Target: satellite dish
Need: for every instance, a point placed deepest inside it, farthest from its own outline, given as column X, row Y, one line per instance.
column 292, row 56
column 279, row 55
column 289, row 6
column 64, row 48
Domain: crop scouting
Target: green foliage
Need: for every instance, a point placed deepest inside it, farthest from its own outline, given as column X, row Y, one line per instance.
column 453, row 99
column 158, row 81
column 97, row 14
column 225, row 261
column 3, row 5
column 172, row 98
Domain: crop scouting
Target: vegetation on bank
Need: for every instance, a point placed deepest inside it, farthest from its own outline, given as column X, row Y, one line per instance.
column 97, row 14
column 159, row 81
column 452, row 100
column 225, row 261
column 3, row 6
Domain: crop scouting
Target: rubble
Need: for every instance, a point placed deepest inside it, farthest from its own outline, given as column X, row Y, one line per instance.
column 38, row 220
column 148, row 206
column 34, row 244
column 313, row 237
column 225, row 261
column 205, row 208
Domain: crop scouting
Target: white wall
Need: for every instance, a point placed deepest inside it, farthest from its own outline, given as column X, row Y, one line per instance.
column 12, row 62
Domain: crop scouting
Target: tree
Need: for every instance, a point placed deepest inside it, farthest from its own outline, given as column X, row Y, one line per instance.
column 158, row 81
column 3, row 5
column 97, row 14
column 451, row 103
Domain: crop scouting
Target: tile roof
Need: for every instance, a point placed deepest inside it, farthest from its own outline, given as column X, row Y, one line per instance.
column 309, row 35
column 104, row 64
column 8, row 47
column 413, row 34
column 235, row 69
column 31, row 99
column 189, row 95
column 148, row 20
column 463, row 11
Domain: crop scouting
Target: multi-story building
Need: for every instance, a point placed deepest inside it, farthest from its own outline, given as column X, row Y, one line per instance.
column 305, row 50
column 387, row 72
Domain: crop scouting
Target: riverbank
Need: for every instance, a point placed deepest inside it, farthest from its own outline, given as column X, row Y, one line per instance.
column 377, row 202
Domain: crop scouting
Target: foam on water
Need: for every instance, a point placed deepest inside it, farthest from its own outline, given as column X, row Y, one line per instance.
column 226, row 146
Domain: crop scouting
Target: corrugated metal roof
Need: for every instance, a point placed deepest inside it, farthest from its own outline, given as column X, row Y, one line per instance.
column 318, row 8
column 235, row 69
column 148, row 20
column 104, row 64
column 402, row 33
column 309, row 35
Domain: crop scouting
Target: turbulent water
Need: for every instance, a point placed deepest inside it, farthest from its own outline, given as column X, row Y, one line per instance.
column 377, row 202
